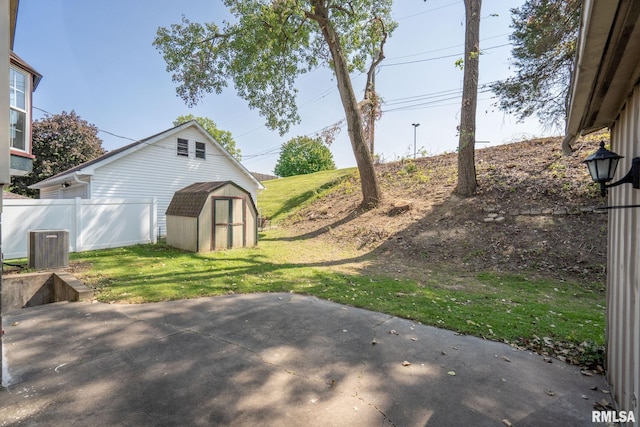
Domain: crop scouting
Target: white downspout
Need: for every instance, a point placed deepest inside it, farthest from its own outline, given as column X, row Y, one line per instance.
column 79, row 181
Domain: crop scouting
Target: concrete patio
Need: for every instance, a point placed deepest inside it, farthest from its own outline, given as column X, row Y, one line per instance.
column 272, row 359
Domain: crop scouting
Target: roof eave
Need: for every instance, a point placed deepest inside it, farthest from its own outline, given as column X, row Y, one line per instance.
column 36, row 76
column 60, row 179
column 607, row 65
column 13, row 17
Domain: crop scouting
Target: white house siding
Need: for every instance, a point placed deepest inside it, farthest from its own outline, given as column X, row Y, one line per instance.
column 623, row 289
column 51, row 193
column 74, row 190
column 157, row 171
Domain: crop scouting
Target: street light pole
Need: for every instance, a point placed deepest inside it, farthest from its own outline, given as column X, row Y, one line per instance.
column 415, row 126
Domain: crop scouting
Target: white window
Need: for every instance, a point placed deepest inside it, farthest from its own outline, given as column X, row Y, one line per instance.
column 183, row 147
column 200, row 150
column 19, row 111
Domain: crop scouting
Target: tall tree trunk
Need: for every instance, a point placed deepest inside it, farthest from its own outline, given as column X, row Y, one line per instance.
column 371, row 194
column 467, row 140
column 371, row 97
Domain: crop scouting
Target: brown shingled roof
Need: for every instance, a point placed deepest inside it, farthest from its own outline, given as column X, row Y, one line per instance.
column 189, row 201
column 9, row 195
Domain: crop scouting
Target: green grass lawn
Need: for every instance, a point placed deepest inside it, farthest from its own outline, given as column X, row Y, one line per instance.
column 499, row 307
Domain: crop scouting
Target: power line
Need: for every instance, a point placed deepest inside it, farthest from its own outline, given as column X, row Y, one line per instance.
column 429, row 104
column 433, row 94
column 440, row 57
column 422, row 97
column 99, row 130
column 429, row 10
column 444, row 48
column 140, row 141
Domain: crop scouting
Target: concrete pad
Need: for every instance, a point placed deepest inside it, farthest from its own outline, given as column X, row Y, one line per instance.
column 272, row 359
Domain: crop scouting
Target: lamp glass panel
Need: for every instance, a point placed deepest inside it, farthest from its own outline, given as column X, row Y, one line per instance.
column 602, row 170
column 612, row 168
column 593, row 170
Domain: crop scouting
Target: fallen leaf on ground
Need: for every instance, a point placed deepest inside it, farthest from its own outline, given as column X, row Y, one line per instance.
column 452, row 373
column 506, row 359
column 602, row 404
column 405, row 363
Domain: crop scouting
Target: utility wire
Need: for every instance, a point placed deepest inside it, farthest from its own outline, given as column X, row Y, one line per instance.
column 429, row 10
column 440, row 57
column 444, row 48
column 99, row 130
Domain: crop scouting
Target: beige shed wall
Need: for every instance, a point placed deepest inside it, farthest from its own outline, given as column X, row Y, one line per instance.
column 205, row 226
column 252, row 225
column 183, row 232
column 185, row 229
column 623, row 277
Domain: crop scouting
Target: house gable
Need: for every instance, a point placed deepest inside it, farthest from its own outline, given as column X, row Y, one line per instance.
column 88, row 168
column 153, row 168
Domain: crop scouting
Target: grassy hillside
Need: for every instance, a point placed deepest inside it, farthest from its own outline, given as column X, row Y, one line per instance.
column 283, row 196
column 543, row 202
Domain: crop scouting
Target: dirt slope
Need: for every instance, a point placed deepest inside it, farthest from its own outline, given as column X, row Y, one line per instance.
column 532, row 214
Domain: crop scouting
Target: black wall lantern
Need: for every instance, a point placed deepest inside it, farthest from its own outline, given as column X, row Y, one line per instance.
column 602, row 166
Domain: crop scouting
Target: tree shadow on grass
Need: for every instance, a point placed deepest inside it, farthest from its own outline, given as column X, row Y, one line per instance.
column 320, row 231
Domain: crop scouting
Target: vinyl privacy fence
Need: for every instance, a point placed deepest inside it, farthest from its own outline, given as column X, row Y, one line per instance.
column 92, row 223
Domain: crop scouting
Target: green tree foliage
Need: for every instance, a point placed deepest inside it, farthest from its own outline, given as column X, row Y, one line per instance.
column 59, row 142
column 268, row 45
column 544, row 43
column 222, row 137
column 302, row 155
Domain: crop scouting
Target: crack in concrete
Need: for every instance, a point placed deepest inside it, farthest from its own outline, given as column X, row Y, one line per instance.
column 370, row 404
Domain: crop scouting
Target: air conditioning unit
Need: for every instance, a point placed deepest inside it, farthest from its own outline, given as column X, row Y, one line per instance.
column 48, row 249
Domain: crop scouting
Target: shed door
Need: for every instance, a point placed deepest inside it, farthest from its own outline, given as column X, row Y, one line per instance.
column 228, row 223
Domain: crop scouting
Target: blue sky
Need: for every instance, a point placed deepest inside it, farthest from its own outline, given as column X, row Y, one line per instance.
column 97, row 58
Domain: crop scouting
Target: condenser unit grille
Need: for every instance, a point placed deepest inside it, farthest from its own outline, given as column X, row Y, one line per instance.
column 48, row 249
